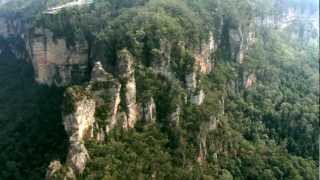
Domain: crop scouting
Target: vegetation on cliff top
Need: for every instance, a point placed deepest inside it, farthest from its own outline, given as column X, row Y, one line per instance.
column 268, row 131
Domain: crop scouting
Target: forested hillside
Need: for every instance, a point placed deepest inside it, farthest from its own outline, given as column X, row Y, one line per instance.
column 159, row 89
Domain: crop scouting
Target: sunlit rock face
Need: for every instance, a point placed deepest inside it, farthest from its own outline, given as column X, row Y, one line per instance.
column 204, row 55
column 191, row 81
column 250, row 80
column 236, row 44
column 198, row 97
column 78, row 157
column 55, row 63
column 175, row 117
column 57, row 171
column 78, row 120
column 126, row 75
column 149, row 111
column 105, row 90
column 196, row 94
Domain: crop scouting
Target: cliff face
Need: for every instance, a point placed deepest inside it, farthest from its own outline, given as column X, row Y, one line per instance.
column 92, row 111
column 126, row 75
column 78, row 120
column 149, row 111
column 160, row 72
column 240, row 41
column 106, row 92
column 55, row 63
column 109, row 100
column 204, row 56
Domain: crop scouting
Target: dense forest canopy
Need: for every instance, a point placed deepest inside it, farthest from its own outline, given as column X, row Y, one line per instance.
column 268, row 131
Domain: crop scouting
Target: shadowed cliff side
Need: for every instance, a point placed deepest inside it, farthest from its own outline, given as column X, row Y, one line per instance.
column 30, row 120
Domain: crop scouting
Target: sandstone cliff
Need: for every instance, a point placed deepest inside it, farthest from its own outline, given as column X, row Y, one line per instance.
column 106, row 92
column 78, row 120
column 126, row 75
column 55, row 63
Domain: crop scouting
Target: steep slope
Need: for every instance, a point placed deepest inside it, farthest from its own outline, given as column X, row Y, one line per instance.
column 159, row 89
column 30, row 120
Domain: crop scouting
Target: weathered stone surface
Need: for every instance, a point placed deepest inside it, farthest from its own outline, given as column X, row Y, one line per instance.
column 236, row 38
column 191, row 81
column 149, row 111
column 106, row 93
column 198, row 98
column 203, row 56
column 125, row 64
column 205, row 128
column 54, row 62
column 77, row 157
column 132, row 109
column 126, row 74
column 79, row 123
column 161, row 60
column 175, row 117
column 57, row 171
column 98, row 73
column 251, row 79
column 78, row 120
column 196, row 95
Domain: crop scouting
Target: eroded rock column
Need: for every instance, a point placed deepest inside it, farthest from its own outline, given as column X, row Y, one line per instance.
column 78, row 120
column 126, row 74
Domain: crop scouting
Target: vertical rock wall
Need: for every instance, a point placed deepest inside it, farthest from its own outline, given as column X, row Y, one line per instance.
column 126, row 75
column 78, row 120
column 106, row 92
column 55, row 63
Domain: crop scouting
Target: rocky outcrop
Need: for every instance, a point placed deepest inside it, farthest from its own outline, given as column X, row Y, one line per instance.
column 204, row 64
column 240, row 40
column 54, row 62
column 161, row 59
column 78, row 117
column 175, row 117
column 57, row 171
column 105, row 90
column 198, row 97
column 77, row 157
column 126, row 75
column 78, row 120
column 250, row 80
column 149, row 111
column 204, row 55
column 191, row 81
column 205, row 128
